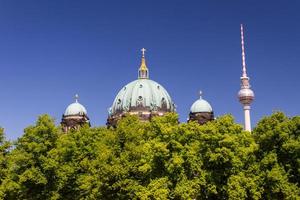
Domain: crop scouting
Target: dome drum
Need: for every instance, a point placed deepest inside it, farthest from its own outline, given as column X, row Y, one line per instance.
column 143, row 113
column 201, row 117
column 74, row 122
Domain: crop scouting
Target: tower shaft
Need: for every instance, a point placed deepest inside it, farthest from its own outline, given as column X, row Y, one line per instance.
column 247, row 125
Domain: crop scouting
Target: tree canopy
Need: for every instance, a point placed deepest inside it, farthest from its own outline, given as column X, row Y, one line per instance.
column 160, row 159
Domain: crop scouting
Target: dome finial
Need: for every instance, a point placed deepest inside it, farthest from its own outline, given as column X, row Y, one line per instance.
column 76, row 98
column 200, row 94
column 143, row 71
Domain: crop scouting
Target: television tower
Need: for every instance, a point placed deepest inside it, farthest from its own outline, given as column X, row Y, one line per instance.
column 245, row 95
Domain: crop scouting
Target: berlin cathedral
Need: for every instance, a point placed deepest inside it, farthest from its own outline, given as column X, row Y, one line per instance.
column 146, row 98
column 143, row 97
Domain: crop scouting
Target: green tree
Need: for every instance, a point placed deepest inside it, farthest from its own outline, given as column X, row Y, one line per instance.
column 226, row 151
column 26, row 176
column 4, row 151
column 79, row 162
column 279, row 156
column 160, row 159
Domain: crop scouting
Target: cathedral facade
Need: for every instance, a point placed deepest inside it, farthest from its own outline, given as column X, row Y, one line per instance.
column 146, row 99
column 143, row 97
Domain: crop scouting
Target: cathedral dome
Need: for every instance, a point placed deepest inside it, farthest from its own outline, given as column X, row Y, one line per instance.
column 142, row 92
column 201, row 106
column 75, row 108
column 142, row 97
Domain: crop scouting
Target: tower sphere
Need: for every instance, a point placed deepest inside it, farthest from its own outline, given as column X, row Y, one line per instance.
column 246, row 96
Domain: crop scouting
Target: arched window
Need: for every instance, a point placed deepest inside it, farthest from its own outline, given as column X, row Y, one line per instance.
column 163, row 103
column 140, row 101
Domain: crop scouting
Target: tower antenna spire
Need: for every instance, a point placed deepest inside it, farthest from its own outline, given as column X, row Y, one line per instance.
column 243, row 52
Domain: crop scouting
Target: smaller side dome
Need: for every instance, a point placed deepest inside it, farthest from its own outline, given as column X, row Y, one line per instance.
column 201, row 105
column 201, row 111
column 75, row 116
column 75, row 108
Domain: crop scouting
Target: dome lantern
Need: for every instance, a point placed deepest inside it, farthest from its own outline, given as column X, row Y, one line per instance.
column 143, row 70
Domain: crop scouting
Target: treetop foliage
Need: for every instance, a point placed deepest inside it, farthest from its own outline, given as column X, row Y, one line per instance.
column 160, row 159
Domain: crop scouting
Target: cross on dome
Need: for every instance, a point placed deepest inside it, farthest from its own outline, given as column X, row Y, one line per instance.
column 143, row 50
column 200, row 94
column 143, row 70
column 76, row 98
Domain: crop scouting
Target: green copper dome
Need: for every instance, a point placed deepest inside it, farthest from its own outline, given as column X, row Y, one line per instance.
column 201, row 106
column 144, row 93
column 75, row 108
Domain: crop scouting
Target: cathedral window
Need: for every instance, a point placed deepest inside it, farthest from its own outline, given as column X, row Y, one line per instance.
column 140, row 101
column 163, row 103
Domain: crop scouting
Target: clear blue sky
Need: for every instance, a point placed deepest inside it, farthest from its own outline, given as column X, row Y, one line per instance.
column 50, row 50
